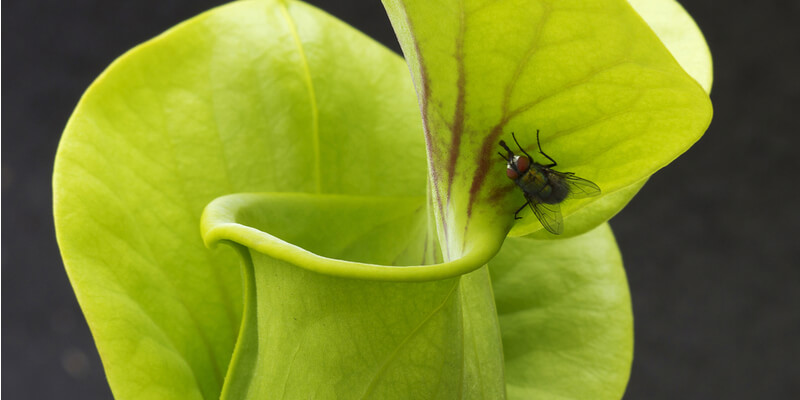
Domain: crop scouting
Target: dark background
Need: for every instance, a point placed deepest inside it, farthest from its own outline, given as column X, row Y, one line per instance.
column 710, row 244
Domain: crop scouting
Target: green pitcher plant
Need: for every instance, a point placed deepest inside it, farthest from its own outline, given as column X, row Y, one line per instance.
column 264, row 203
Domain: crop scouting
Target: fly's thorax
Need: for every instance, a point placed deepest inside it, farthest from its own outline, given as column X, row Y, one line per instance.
column 533, row 181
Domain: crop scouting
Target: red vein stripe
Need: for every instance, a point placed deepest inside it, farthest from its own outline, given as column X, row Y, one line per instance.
column 424, row 94
column 494, row 134
column 457, row 126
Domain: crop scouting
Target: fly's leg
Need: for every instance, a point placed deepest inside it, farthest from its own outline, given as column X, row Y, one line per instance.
column 520, row 209
column 543, row 153
column 520, row 147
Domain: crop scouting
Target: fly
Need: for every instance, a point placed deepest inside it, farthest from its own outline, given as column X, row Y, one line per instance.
column 544, row 188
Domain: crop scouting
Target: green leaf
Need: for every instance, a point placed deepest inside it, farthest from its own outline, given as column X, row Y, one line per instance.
column 565, row 315
column 279, row 98
column 588, row 218
column 683, row 38
column 611, row 102
column 676, row 28
column 313, row 330
column 679, row 33
column 252, row 96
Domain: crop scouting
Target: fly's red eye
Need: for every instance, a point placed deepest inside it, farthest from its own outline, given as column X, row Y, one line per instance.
column 523, row 164
column 512, row 174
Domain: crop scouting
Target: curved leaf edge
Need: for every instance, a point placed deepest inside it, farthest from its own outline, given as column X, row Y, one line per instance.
column 694, row 57
column 588, row 217
column 700, row 60
column 219, row 223
column 614, row 363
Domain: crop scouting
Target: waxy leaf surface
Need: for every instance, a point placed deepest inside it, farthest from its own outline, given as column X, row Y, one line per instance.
column 252, row 96
column 278, row 97
column 565, row 316
column 328, row 314
column 612, row 103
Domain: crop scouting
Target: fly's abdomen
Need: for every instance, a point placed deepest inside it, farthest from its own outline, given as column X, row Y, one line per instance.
column 558, row 190
column 543, row 187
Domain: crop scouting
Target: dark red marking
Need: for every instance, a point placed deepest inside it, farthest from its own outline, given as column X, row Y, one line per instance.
column 491, row 140
column 424, row 94
column 499, row 193
column 457, row 129
column 483, row 163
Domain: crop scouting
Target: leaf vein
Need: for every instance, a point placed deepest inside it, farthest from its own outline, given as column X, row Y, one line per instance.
column 312, row 97
column 414, row 332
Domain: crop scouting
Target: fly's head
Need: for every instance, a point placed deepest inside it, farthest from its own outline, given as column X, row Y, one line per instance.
column 516, row 165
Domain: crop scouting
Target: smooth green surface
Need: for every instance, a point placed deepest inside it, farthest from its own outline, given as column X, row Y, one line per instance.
column 678, row 31
column 319, row 335
column 565, row 314
column 611, row 102
column 236, row 100
column 279, row 98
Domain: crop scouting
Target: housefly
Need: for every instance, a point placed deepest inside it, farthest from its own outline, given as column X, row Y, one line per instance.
column 544, row 188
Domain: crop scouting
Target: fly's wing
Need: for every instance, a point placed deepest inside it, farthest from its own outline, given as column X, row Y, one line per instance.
column 549, row 215
column 580, row 188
